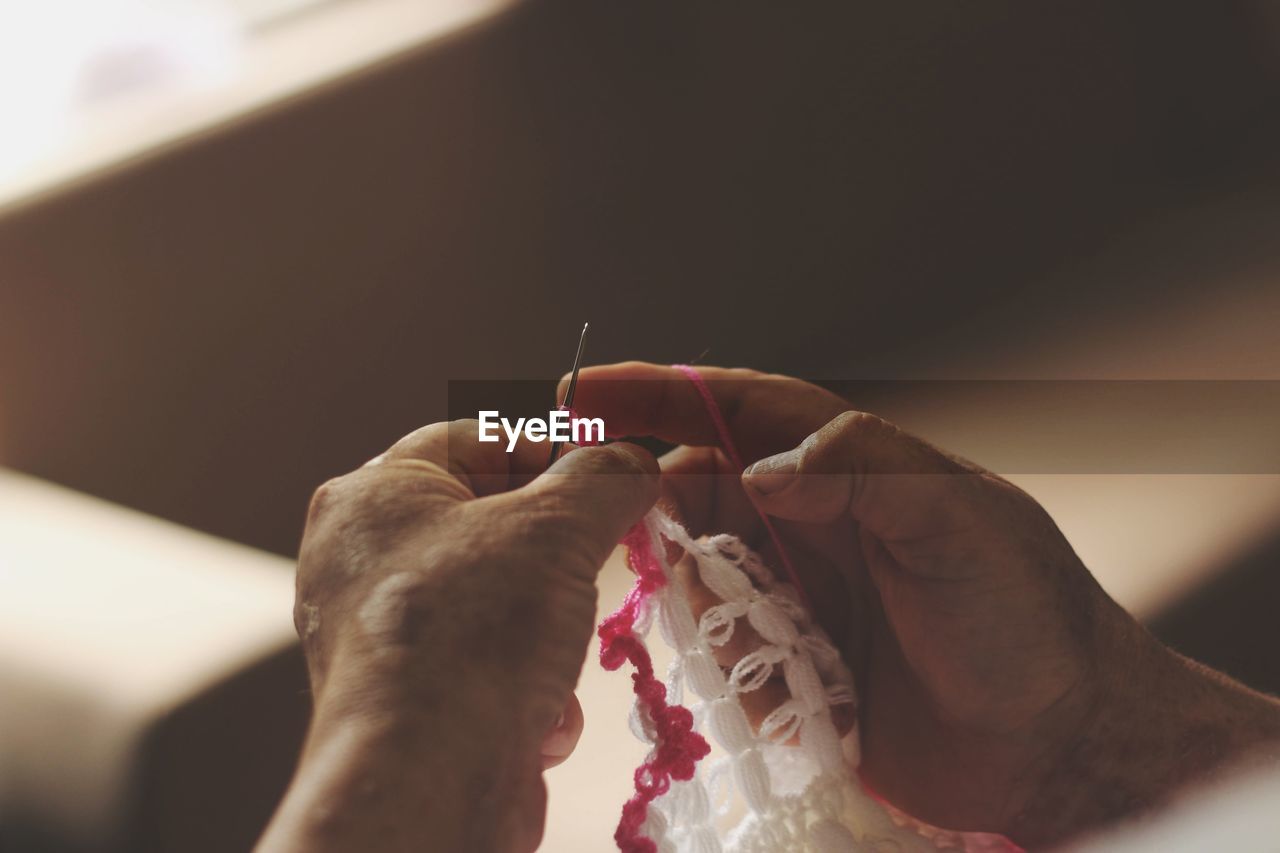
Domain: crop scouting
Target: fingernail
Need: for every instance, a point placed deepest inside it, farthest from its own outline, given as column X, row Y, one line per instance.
column 773, row 473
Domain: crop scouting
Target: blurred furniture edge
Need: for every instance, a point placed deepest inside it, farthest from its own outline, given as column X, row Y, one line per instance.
column 141, row 708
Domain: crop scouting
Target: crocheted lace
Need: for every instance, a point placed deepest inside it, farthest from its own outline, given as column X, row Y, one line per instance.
column 786, row 785
column 789, row 780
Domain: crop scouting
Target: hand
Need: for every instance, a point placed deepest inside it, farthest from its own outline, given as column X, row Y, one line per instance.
column 1001, row 689
column 445, row 601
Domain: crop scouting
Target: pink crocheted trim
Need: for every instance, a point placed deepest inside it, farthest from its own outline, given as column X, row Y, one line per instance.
column 677, row 747
column 731, row 450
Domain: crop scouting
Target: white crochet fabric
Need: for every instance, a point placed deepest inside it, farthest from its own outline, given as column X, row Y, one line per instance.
column 790, row 781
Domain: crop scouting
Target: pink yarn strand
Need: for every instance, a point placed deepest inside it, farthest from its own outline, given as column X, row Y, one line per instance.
column 731, row 450
column 677, row 747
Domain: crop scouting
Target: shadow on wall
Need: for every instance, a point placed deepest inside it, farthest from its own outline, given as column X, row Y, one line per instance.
column 211, row 333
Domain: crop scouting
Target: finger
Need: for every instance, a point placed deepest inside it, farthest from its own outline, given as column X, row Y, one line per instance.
column 742, row 641
column 589, row 498
column 894, row 485
column 707, row 494
column 560, row 742
column 765, row 413
column 455, row 448
column 769, row 695
column 709, row 499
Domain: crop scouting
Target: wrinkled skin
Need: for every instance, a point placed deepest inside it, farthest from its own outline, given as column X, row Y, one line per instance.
column 1001, row 689
column 446, row 597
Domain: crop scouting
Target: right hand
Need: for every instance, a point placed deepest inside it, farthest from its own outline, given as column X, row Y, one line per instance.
column 1001, row 690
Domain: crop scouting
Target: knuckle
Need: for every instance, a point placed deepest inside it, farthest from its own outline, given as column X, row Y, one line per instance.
column 323, row 499
column 412, row 444
column 747, row 374
column 853, row 425
column 306, row 618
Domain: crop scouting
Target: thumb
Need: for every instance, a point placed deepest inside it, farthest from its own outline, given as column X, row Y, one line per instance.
column 894, row 485
column 595, row 494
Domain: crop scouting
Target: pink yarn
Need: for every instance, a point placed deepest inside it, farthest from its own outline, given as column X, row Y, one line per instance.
column 677, row 747
column 731, row 450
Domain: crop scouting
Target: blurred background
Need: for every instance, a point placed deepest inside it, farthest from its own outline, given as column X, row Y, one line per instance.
column 245, row 245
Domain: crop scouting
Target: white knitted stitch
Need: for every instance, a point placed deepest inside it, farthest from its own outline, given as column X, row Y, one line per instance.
column 791, row 775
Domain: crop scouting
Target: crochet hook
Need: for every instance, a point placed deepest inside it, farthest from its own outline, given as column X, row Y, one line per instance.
column 573, row 385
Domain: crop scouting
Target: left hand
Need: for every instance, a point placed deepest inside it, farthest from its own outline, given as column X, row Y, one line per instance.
column 446, row 597
column 1001, row 689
